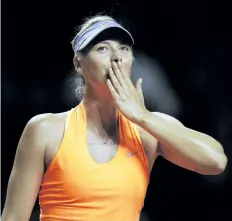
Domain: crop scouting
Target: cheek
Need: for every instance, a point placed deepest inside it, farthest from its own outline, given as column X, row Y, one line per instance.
column 127, row 67
column 97, row 65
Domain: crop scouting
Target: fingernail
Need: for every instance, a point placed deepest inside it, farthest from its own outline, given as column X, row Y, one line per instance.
column 141, row 80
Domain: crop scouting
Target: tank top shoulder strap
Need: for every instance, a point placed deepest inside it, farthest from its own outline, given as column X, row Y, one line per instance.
column 132, row 140
column 67, row 120
column 70, row 122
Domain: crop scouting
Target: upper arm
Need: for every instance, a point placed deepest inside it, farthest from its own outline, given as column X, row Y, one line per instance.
column 177, row 157
column 27, row 171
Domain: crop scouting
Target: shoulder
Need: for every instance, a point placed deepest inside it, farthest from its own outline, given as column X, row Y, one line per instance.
column 44, row 125
column 46, row 120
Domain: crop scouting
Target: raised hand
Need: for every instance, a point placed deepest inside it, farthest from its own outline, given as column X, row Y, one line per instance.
column 129, row 99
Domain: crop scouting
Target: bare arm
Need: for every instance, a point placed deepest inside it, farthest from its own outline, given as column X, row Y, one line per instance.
column 27, row 172
column 185, row 147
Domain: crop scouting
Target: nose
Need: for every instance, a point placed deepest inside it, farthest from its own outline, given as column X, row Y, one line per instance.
column 116, row 56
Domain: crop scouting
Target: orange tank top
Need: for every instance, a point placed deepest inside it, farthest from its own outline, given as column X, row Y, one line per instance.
column 76, row 188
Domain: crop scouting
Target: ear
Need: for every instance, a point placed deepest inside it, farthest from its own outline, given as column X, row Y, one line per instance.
column 77, row 64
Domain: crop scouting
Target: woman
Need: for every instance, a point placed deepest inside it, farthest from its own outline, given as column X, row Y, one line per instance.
column 93, row 162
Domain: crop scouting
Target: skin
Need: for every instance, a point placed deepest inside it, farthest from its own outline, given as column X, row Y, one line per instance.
column 106, row 69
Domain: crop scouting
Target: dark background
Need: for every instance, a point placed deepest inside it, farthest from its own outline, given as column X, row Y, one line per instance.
column 192, row 42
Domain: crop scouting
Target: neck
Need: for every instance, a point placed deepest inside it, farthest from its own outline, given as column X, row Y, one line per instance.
column 98, row 94
column 101, row 112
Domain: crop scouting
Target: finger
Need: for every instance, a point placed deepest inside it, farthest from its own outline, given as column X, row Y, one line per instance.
column 126, row 77
column 118, row 73
column 139, row 89
column 112, row 89
column 114, row 81
column 139, row 86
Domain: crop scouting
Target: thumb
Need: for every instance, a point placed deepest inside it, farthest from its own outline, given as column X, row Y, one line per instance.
column 139, row 85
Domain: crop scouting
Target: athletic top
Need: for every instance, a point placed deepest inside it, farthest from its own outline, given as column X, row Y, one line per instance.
column 76, row 188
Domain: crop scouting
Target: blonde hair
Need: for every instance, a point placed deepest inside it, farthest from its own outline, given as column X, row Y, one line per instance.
column 88, row 22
